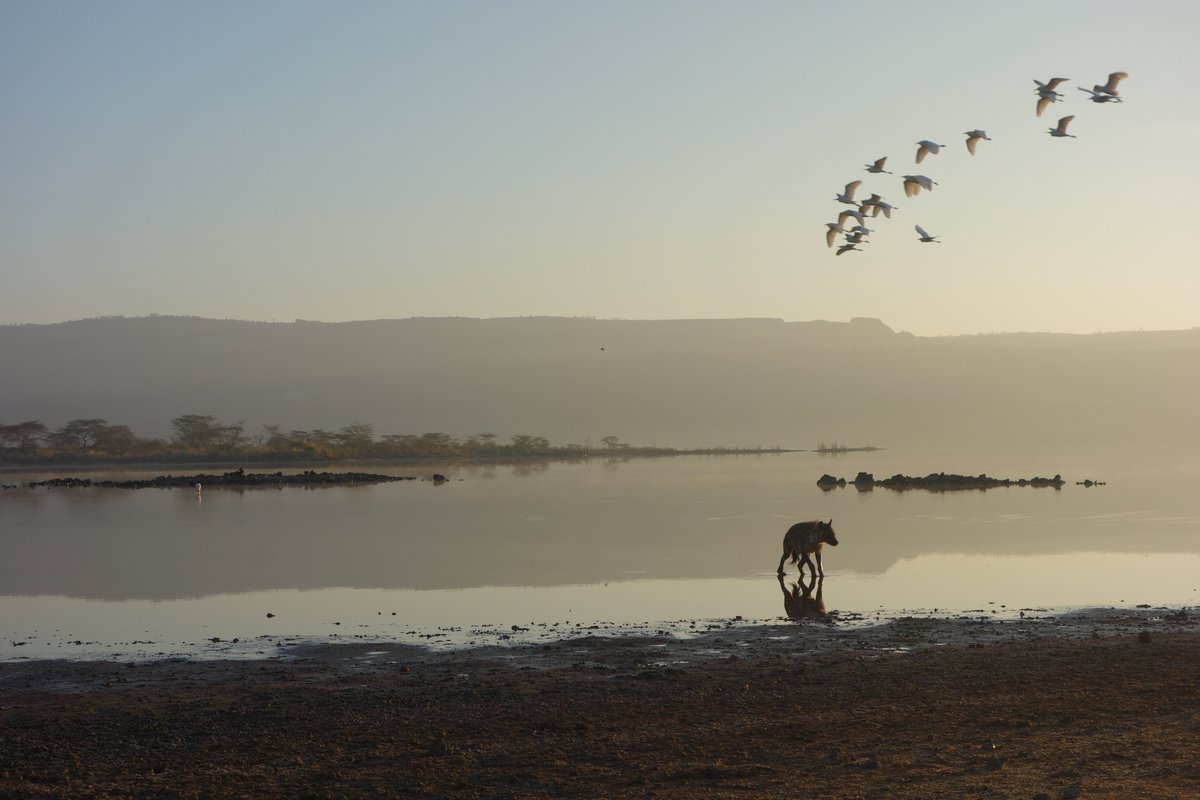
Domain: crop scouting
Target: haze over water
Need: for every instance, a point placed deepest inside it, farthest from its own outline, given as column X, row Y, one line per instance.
column 645, row 544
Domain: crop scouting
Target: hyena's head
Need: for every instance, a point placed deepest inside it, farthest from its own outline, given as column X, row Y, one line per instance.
column 827, row 534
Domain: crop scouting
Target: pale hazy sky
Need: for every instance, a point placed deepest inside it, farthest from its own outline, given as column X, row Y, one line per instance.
column 651, row 159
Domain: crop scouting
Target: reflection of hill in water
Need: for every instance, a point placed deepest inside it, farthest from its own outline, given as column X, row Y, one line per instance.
column 164, row 544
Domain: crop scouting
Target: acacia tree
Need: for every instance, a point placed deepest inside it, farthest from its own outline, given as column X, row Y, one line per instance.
column 524, row 443
column 272, row 437
column 197, row 431
column 232, row 436
column 356, row 439
column 437, row 444
column 79, row 434
column 117, row 440
column 23, row 436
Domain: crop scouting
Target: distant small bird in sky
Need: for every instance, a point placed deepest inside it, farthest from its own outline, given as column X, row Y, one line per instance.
column 913, row 184
column 1061, row 130
column 925, row 237
column 846, row 248
column 973, row 138
column 926, row 147
column 877, row 167
column 831, row 235
column 847, row 196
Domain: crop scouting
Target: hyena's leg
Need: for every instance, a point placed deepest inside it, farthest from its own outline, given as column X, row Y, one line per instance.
column 806, row 560
column 820, row 570
column 782, row 559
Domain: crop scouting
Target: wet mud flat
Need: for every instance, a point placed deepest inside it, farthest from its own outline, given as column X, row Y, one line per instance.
column 1102, row 704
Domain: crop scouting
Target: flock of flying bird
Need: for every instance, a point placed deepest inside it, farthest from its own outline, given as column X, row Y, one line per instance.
column 875, row 205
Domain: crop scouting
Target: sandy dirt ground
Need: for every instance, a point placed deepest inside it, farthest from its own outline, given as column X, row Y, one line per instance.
column 1098, row 705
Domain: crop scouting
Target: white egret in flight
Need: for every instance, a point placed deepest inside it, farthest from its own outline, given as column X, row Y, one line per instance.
column 913, row 184
column 925, row 237
column 877, row 167
column 876, row 204
column 1101, row 97
column 973, row 138
column 851, row 212
column 1047, row 94
column 847, row 196
column 1109, row 88
column 926, row 147
column 1061, row 130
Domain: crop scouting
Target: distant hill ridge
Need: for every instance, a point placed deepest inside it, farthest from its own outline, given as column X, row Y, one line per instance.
column 668, row 382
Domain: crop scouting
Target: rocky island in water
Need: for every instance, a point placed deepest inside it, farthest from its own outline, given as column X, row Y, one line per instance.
column 937, row 482
column 238, row 477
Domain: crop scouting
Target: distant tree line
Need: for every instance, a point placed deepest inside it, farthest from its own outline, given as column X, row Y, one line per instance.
column 201, row 436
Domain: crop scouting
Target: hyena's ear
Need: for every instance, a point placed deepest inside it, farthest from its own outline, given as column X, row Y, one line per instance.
column 830, row 523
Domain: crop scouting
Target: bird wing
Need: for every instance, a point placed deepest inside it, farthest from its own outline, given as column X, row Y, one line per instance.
column 879, row 163
column 1064, row 122
column 971, row 140
column 830, row 236
column 921, row 152
column 1113, row 80
column 887, row 211
column 1054, row 82
column 850, row 187
column 921, row 231
column 1041, row 104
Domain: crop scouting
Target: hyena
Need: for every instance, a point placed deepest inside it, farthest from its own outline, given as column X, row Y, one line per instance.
column 805, row 539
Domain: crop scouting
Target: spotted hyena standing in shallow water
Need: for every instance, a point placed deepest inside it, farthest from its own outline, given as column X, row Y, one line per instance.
column 805, row 539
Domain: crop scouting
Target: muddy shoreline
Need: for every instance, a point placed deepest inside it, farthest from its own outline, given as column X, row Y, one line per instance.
column 1098, row 704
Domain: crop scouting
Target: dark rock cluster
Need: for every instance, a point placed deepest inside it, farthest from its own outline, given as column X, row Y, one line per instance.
column 238, row 477
column 939, row 482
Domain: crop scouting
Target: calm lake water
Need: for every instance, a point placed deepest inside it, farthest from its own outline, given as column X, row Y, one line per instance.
column 676, row 544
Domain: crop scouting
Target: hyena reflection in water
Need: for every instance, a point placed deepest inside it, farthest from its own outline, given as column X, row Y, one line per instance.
column 805, row 539
column 800, row 602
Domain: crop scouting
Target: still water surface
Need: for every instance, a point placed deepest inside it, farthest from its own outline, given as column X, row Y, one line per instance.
column 557, row 548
